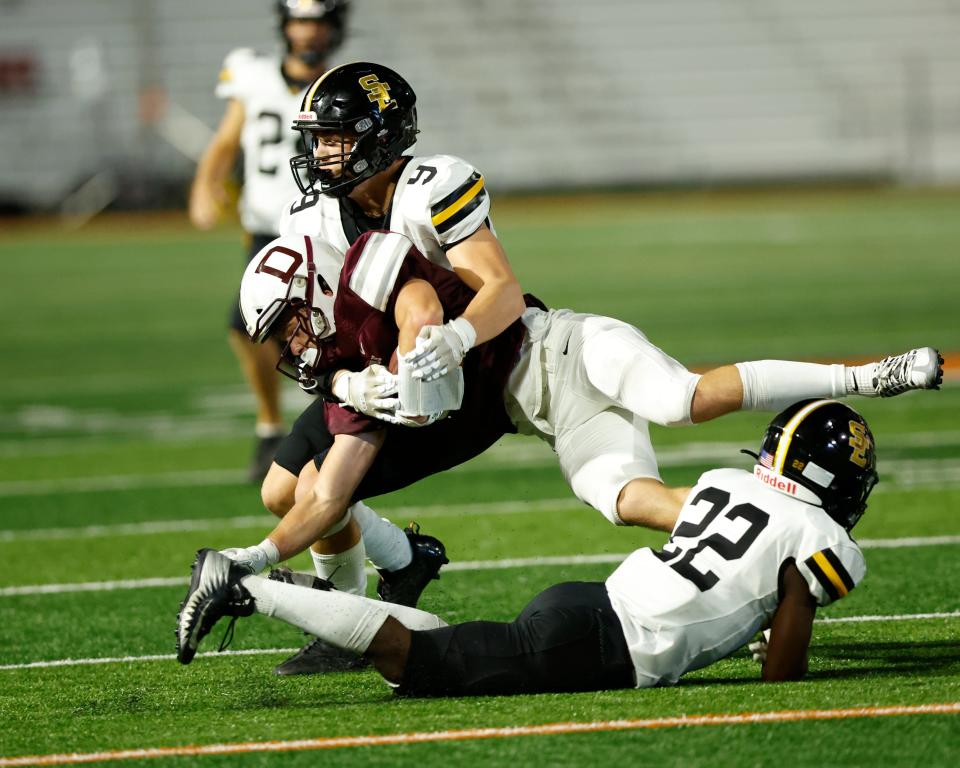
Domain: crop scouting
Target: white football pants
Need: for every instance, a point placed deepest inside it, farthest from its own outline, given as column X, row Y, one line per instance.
column 589, row 385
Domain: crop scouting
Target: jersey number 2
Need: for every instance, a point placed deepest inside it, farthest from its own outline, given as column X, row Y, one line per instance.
column 681, row 559
column 271, row 123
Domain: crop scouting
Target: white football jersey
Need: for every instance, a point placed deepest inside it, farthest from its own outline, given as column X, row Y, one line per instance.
column 267, row 140
column 439, row 201
column 715, row 583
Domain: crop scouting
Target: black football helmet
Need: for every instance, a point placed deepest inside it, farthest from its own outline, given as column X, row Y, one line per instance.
column 366, row 105
column 331, row 12
column 825, row 447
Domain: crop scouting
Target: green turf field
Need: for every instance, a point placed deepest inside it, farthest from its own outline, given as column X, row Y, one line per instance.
column 124, row 433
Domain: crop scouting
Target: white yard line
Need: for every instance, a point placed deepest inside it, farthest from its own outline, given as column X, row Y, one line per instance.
column 203, row 477
column 268, row 651
column 515, row 453
column 138, row 659
column 910, row 472
column 264, row 520
column 465, row 565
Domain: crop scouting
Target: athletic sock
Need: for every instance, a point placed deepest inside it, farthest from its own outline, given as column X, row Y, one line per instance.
column 772, row 385
column 346, row 621
column 859, row 379
column 387, row 546
column 345, row 569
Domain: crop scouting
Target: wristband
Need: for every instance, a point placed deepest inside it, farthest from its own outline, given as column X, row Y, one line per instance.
column 465, row 331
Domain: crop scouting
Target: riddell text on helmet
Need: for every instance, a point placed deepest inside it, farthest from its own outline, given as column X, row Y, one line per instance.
column 775, row 481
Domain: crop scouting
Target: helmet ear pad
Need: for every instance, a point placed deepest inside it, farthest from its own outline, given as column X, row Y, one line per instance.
column 383, row 142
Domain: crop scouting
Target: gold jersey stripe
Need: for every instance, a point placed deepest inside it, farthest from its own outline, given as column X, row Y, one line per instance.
column 783, row 447
column 464, row 199
column 829, row 571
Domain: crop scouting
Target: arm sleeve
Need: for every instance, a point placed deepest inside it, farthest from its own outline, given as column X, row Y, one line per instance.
column 833, row 571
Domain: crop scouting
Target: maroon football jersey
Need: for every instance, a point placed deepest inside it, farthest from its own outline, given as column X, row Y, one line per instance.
column 375, row 269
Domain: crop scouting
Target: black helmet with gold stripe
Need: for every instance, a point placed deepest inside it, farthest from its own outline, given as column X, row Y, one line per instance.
column 355, row 120
column 821, row 451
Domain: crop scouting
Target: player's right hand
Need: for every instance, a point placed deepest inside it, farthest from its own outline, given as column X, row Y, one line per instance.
column 441, row 348
column 206, row 206
column 758, row 648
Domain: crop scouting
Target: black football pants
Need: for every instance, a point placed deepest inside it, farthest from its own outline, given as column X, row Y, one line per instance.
column 568, row 638
column 408, row 455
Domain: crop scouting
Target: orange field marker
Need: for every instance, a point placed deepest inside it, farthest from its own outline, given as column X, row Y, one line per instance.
column 549, row 729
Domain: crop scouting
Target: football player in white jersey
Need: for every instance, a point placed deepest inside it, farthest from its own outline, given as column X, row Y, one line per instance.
column 749, row 551
column 263, row 94
column 357, row 122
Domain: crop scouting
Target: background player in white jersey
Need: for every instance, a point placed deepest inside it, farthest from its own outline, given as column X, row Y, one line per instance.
column 748, row 551
column 263, row 94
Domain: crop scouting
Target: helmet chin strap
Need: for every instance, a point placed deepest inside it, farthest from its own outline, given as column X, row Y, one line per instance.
column 311, row 273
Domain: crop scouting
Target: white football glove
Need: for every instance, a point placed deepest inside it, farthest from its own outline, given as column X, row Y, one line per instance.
column 372, row 391
column 255, row 559
column 408, row 420
column 441, row 348
column 758, row 648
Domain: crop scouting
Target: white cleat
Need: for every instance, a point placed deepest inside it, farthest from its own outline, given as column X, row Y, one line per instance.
column 917, row 369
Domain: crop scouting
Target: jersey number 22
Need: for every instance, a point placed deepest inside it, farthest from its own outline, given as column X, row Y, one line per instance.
column 680, row 557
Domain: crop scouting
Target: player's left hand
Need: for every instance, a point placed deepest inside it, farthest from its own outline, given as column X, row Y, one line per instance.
column 370, row 391
column 441, row 348
column 256, row 558
column 758, row 648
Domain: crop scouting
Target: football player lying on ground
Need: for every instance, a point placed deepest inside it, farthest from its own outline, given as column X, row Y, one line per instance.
column 749, row 551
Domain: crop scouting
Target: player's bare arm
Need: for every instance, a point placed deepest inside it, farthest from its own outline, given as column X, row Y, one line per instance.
column 791, row 629
column 341, row 472
column 482, row 264
column 417, row 305
column 208, row 194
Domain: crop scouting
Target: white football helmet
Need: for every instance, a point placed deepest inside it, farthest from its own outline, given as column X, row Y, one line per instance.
column 292, row 272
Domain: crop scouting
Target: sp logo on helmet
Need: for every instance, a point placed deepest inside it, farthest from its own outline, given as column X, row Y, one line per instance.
column 860, row 442
column 376, row 91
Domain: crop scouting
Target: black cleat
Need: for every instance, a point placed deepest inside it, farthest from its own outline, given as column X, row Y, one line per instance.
column 405, row 586
column 263, row 453
column 318, row 657
column 214, row 592
column 301, row 579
